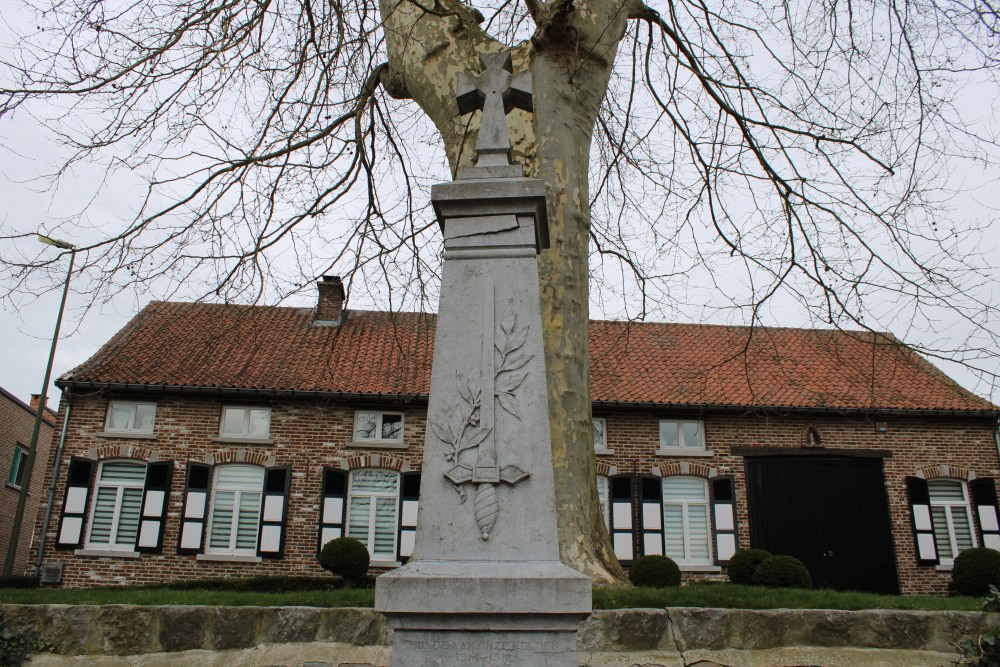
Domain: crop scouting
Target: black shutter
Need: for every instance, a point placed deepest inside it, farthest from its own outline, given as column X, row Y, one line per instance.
column 194, row 516
column 984, row 497
column 274, row 512
column 79, row 477
column 331, row 512
column 622, row 517
column 723, row 518
column 650, row 528
column 409, row 503
column 155, row 499
column 923, row 528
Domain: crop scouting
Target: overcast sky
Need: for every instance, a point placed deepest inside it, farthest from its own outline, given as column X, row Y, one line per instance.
column 26, row 325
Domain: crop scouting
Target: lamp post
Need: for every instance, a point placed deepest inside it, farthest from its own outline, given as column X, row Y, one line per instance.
column 15, row 530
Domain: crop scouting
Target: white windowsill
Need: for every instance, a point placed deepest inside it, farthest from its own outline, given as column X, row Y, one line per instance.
column 683, row 451
column 126, row 435
column 385, row 563
column 105, row 553
column 700, row 568
column 229, row 558
column 378, row 444
column 242, row 440
column 603, row 451
column 944, row 567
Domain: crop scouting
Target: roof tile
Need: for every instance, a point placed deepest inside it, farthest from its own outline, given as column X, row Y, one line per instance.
column 280, row 348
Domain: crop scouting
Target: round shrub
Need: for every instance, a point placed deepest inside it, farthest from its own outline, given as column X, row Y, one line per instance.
column 974, row 571
column 782, row 572
column 744, row 563
column 655, row 572
column 347, row 557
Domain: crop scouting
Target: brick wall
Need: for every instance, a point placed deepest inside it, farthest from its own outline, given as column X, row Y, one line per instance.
column 919, row 446
column 17, row 421
column 309, row 435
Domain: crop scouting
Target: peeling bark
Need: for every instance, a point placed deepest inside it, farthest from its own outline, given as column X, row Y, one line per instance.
column 570, row 57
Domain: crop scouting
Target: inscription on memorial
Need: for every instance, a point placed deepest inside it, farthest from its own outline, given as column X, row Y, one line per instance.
column 487, row 652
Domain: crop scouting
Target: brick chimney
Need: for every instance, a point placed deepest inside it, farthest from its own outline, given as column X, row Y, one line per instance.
column 331, row 299
column 34, row 406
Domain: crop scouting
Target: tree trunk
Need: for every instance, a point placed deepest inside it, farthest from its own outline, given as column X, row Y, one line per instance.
column 570, row 59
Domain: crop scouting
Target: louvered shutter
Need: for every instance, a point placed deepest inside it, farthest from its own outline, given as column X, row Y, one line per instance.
column 274, row 512
column 79, row 477
column 651, row 516
column 155, row 499
column 409, row 498
column 923, row 528
column 622, row 532
column 331, row 513
column 723, row 518
column 195, row 512
column 984, row 497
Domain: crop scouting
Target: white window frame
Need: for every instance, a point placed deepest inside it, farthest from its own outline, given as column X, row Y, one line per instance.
column 119, row 486
column 17, row 466
column 379, row 416
column 245, row 432
column 604, row 502
column 951, row 506
column 684, row 448
column 352, row 494
column 685, row 506
column 131, row 426
column 600, row 447
column 238, row 491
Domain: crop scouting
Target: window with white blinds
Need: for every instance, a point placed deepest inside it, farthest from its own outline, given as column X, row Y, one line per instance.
column 952, row 518
column 602, row 496
column 685, row 520
column 372, row 506
column 235, row 515
column 115, row 511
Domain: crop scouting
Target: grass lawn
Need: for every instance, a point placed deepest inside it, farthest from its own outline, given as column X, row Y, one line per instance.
column 723, row 595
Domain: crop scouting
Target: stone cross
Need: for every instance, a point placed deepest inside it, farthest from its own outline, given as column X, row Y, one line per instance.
column 496, row 91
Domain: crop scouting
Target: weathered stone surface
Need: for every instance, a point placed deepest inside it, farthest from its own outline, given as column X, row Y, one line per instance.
column 118, row 635
column 626, row 629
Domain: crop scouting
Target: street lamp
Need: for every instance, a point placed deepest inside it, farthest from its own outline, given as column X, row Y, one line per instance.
column 15, row 530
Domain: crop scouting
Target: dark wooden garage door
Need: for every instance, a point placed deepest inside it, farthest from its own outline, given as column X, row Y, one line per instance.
column 830, row 513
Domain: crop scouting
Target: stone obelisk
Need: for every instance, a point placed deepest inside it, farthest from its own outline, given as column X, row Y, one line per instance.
column 485, row 585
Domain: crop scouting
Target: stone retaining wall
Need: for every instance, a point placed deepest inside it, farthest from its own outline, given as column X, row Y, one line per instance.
column 120, row 635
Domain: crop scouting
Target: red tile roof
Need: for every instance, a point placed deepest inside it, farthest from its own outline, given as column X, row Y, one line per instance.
column 280, row 349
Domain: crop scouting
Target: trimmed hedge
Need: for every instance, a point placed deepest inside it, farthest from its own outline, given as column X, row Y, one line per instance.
column 263, row 584
column 17, row 581
column 974, row 570
column 347, row 557
column 655, row 572
column 782, row 572
column 744, row 563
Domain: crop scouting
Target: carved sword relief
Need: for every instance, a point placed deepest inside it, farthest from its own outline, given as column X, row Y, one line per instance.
column 471, row 425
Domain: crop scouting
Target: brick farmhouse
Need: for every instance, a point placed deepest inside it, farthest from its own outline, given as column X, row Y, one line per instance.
column 219, row 440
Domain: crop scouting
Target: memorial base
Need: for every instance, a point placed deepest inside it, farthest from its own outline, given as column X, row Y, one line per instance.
column 455, row 614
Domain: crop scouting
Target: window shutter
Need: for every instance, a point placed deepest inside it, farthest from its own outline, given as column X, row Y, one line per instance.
column 409, row 500
column 331, row 513
column 923, row 528
column 622, row 533
column 79, row 477
column 984, row 497
column 723, row 518
column 651, row 516
column 195, row 512
column 155, row 497
column 274, row 512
